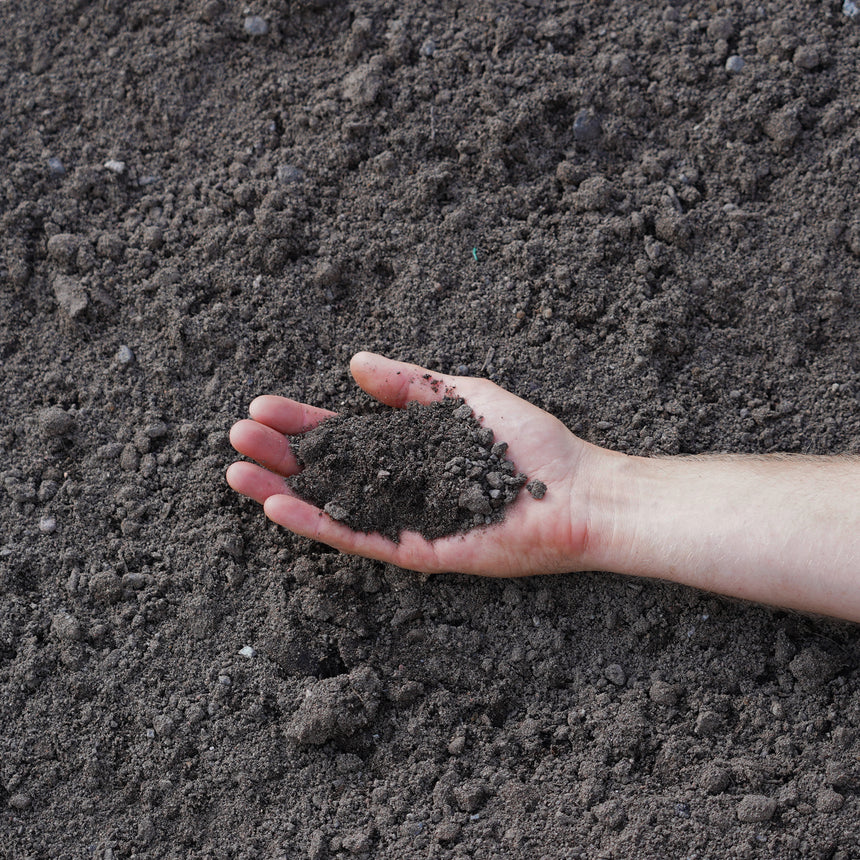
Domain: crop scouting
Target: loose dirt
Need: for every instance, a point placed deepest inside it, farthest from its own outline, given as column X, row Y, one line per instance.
column 641, row 217
column 432, row 469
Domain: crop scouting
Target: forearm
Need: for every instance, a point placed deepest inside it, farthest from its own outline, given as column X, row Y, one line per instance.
column 782, row 530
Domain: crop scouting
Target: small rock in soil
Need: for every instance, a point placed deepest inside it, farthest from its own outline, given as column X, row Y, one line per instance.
column 256, row 26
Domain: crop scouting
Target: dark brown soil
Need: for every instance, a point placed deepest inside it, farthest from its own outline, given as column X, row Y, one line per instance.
column 574, row 199
column 431, row 469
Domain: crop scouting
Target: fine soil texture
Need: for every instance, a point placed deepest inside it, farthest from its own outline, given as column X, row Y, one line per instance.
column 642, row 217
column 431, row 469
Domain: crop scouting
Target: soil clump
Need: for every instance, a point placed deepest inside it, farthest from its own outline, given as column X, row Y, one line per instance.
column 428, row 468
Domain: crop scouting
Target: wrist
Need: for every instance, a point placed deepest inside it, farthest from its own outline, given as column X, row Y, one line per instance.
column 647, row 516
column 608, row 487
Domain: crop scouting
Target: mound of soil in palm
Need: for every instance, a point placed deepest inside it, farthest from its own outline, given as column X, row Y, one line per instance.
column 427, row 468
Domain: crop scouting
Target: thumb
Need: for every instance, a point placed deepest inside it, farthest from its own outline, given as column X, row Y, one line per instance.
column 396, row 383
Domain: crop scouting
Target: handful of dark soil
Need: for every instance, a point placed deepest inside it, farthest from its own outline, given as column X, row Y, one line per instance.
column 432, row 469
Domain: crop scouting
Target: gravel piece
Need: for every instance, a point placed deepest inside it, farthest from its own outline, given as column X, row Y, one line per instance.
column 735, row 64
column 586, row 126
column 256, row 26
column 287, row 174
column 47, row 525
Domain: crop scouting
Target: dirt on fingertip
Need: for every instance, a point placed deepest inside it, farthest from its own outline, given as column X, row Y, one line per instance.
column 432, row 469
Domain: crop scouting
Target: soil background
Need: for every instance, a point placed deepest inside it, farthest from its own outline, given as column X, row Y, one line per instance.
column 578, row 201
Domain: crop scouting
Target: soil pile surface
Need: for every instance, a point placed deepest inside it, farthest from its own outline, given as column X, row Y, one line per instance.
column 432, row 469
column 642, row 217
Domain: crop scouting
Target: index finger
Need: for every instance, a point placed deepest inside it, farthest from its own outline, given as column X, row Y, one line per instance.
column 286, row 416
column 397, row 383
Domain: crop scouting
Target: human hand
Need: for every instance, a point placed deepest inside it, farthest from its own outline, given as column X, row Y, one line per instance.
column 546, row 536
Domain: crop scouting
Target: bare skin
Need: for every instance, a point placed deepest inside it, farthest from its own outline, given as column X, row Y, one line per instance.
column 778, row 530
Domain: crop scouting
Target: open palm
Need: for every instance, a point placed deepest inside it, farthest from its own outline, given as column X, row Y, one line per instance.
column 546, row 536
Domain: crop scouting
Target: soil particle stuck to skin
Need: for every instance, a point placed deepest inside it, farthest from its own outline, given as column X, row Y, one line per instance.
column 427, row 468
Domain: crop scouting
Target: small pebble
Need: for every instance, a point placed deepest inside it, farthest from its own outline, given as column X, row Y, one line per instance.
column 114, row 166
column 124, row 355
column 586, row 126
column 56, row 167
column 735, row 64
column 288, row 174
column 428, row 48
column 248, row 652
column 155, row 430
column 256, row 26
column 47, row 525
column 134, row 580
